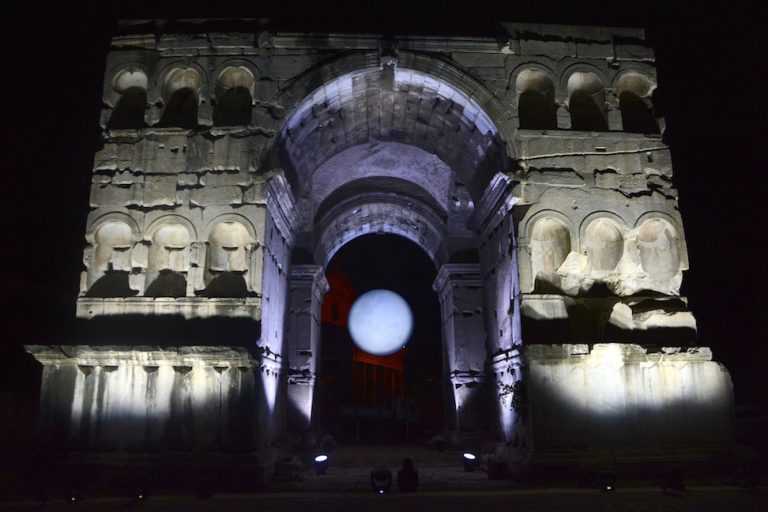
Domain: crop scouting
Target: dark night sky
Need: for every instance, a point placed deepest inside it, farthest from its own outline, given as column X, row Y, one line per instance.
column 712, row 73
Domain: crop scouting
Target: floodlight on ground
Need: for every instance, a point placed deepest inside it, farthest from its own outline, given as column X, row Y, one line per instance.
column 320, row 463
column 608, row 481
column 75, row 495
column 470, row 462
column 381, row 479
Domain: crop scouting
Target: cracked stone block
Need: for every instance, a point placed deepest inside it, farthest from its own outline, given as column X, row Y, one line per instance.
column 231, row 153
column 199, row 151
column 218, row 179
column 187, row 179
column 213, row 196
column 183, row 196
column 127, row 178
column 171, row 155
column 160, row 191
column 548, row 48
column 593, row 50
column 612, row 179
column 111, row 195
column 106, row 158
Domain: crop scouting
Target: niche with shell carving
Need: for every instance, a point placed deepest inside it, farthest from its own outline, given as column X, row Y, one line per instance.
column 604, row 245
column 168, row 261
column 180, row 94
column 659, row 247
column 128, row 113
column 634, row 91
column 586, row 102
column 550, row 245
column 110, row 265
column 227, row 260
column 536, row 100
column 234, row 101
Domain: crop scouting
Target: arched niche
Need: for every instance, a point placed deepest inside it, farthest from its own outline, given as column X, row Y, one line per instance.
column 634, row 91
column 659, row 247
column 131, row 85
column 180, row 94
column 604, row 244
column 586, row 102
column 228, row 260
column 234, row 100
column 536, row 100
column 168, row 261
column 110, row 265
column 550, row 245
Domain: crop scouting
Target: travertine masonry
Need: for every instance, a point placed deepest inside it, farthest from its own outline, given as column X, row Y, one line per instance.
column 530, row 166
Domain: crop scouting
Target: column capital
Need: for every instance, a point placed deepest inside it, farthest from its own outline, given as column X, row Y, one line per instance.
column 457, row 274
column 305, row 276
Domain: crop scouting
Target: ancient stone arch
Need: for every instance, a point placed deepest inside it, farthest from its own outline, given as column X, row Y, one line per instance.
column 129, row 110
column 536, row 99
column 180, row 93
column 234, row 96
column 511, row 159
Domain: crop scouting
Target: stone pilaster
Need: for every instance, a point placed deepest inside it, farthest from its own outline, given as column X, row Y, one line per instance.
column 307, row 286
column 459, row 289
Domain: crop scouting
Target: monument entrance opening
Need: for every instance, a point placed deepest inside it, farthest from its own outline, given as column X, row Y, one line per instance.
column 380, row 398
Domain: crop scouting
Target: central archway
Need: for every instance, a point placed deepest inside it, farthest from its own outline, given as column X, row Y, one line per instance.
column 366, row 398
column 405, row 149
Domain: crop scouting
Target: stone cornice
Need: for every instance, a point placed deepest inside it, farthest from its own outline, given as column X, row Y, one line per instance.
column 116, row 355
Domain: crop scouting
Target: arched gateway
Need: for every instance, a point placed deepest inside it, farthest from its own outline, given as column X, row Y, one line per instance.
column 558, row 245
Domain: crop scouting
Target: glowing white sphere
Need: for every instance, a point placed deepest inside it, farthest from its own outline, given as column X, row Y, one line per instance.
column 380, row 322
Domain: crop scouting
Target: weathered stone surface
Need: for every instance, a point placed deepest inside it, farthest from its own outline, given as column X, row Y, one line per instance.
column 548, row 48
column 594, row 50
column 619, row 395
column 218, row 179
column 187, row 180
column 214, row 196
column 160, row 191
column 111, row 195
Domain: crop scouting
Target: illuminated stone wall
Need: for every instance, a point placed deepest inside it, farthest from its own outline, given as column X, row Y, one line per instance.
column 622, row 396
column 529, row 166
column 151, row 399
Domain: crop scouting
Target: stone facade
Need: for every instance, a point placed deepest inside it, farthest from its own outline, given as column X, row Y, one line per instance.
column 529, row 167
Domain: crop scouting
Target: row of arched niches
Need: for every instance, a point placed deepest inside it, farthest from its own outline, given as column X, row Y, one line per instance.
column 170, row 260
column 603, row 252
column 586, row 94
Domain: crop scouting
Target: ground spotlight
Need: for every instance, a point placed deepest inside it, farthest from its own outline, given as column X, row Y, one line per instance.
column 320, row 463
column 470, row 462
column 381, row 479
column 75, row 495
column 607, row 481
